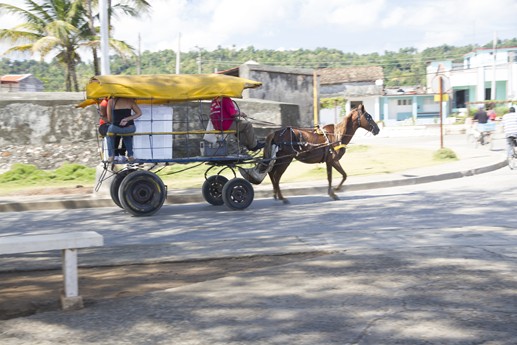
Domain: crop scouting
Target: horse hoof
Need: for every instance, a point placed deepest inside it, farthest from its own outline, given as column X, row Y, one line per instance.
column 334, row 197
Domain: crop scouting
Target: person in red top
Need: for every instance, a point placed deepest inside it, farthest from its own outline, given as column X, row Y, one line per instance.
column 225, row 115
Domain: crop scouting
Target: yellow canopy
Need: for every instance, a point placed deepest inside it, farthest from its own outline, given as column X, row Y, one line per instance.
column 167, row 87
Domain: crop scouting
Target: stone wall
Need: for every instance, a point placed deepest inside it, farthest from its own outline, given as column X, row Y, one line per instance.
column 47, row 129
column 282, row 84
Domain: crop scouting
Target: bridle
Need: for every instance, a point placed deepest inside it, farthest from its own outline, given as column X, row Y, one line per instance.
column 369, row 119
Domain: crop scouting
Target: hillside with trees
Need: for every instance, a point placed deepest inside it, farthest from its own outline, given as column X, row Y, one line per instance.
column 403, row 68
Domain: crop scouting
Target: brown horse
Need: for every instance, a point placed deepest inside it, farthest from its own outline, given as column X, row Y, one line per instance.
column 309, row 146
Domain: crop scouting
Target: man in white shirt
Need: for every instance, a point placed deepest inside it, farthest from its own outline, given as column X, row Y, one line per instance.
column 510, row 129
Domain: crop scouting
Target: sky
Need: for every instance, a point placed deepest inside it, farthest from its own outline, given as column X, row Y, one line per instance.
column 352, row 26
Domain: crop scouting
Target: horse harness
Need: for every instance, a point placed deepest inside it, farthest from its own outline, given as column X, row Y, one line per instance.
column 299, row 145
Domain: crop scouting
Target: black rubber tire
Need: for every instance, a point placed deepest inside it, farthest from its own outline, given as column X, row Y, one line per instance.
column 213, row 189
column 238, row 194
column 115, row 185
column 142, row 193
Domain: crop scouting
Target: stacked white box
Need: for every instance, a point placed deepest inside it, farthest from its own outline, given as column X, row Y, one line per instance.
column 154, row 119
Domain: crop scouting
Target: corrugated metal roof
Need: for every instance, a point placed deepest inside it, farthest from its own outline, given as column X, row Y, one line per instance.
column 350, row 74
column 13, row 78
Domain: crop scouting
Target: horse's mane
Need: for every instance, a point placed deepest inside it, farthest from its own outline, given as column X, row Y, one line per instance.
column 341, row 127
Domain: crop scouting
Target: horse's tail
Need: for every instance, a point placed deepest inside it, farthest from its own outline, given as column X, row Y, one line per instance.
column 257, row 174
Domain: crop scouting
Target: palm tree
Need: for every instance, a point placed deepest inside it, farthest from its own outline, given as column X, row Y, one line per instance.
column 55, row 26
column 133, row 8
column 62, row 27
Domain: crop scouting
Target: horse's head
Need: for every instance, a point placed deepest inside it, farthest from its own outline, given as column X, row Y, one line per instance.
column 365, row 120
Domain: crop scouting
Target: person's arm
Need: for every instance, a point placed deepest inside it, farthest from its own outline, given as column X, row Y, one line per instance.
column 137, row 113
column 109, row 109
column 103, row 109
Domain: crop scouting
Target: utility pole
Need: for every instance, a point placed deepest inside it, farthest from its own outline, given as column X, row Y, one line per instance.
column 492, row 93
column 139, row 62
column 103, row 14
column 178, row 54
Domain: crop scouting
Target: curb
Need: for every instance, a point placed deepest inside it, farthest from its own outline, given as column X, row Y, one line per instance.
column 92, row 202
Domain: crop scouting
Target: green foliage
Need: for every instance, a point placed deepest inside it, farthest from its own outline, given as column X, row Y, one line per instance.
column 28, row 174
column 445, row 154
column 405, row 67
column 74, row 172
column 332, row 102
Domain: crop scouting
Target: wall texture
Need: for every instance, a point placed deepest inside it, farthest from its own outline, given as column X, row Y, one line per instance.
column 47, row 129
column 280, row 84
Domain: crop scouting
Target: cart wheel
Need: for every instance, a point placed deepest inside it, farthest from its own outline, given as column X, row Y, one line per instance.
column 142, row 193
column 115, row 185
column 238, row 194
column 213, row 189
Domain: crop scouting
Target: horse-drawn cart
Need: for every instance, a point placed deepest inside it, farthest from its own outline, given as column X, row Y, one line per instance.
column 173, row 130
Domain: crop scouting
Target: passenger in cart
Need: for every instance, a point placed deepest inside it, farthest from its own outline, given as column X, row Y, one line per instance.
column 121, row 114
column 225, row 115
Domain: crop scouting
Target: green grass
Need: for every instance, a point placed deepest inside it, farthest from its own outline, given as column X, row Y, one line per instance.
column 359, row 160
column 23, row 176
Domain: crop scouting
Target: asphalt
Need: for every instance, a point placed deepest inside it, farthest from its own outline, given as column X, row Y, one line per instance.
column 451, row 289
column 472, row 161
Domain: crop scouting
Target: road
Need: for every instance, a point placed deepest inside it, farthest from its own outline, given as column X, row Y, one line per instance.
column 422, row 264
column 465, row 211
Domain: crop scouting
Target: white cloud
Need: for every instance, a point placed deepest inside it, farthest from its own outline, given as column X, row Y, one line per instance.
column 360, row 26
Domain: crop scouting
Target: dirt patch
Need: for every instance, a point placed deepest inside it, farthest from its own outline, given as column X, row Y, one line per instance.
column 30, row 292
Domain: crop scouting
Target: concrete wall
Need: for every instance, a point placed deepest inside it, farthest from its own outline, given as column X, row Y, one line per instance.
column 38, row 117
column 293, row 86
column 41, row 118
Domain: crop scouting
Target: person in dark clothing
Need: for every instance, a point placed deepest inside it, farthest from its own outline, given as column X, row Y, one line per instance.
column 120, row 151
column 481, row 115
column 121, row 113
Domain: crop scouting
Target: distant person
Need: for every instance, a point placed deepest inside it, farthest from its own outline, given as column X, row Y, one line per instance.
column 492, row 115
column 510, row 129
column 224, row 115
column 121, row 114
column 481, row 115
column 481, row 118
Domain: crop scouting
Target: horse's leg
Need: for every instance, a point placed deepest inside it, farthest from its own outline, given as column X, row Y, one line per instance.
column 340, row 169
column 330, row 164
column 276, row 173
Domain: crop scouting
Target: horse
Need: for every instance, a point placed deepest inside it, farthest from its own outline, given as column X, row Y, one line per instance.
column 327, row 144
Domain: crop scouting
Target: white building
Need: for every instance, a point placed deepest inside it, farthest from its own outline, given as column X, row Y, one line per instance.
column 472, row 82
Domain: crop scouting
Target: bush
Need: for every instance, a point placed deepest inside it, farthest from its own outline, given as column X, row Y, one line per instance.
column 25, row 174
column 445, row 154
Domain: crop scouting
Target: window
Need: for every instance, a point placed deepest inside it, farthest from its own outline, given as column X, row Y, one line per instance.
column 406, row 101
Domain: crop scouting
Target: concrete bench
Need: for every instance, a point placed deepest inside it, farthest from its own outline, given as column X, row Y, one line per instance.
column 68, row 243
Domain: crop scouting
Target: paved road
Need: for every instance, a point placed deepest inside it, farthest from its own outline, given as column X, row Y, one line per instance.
column 433, row 263
column 380, row 218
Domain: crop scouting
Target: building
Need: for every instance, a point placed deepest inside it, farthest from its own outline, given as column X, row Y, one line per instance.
column 364, row 85
column 20, row 83
column 357, row 84
column 486, row 76
column 281, row 84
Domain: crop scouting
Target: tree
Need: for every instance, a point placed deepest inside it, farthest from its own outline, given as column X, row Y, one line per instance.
column 133, row 8
column 52, row 27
